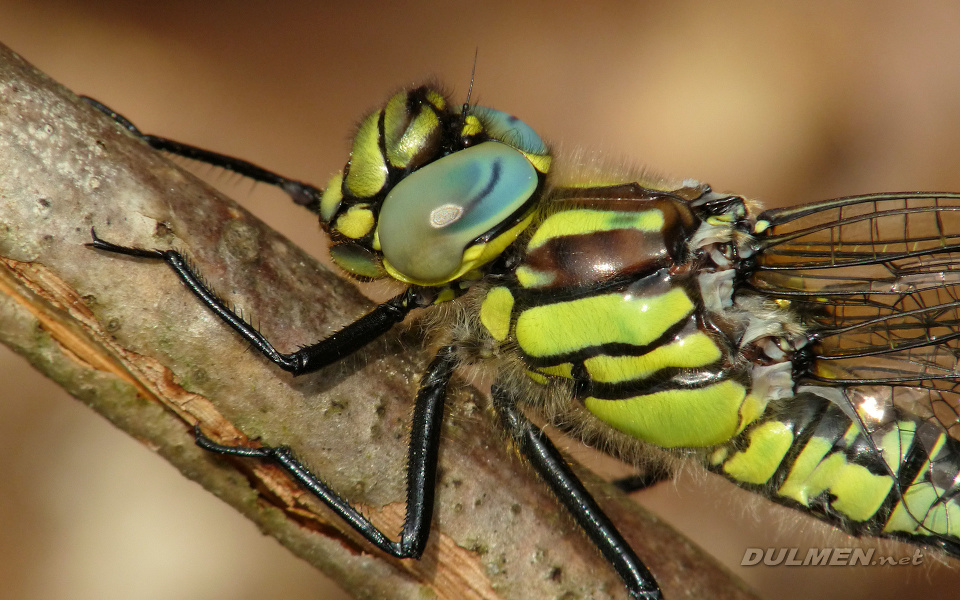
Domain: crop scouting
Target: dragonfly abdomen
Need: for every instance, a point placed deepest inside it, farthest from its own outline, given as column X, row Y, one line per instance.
column 813, row 456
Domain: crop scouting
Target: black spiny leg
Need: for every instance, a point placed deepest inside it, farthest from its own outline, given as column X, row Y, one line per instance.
column 421, row 466
column 305, row 360
column 302, row 193
column 568, row 488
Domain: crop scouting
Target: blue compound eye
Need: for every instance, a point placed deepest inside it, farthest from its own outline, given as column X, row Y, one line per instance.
column 510, row 130
column 431, row 217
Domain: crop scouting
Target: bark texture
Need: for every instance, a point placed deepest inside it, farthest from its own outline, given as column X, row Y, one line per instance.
column 124, row 337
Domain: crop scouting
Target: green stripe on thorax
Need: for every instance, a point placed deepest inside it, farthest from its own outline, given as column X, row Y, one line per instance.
column 567, row 327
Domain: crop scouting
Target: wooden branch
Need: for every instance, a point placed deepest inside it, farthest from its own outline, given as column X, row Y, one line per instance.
column 124, row 337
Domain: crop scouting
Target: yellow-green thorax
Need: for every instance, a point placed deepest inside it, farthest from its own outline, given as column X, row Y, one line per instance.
column 608, row 298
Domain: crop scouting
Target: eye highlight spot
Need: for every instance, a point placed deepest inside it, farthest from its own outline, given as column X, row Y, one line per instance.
column 445, row 215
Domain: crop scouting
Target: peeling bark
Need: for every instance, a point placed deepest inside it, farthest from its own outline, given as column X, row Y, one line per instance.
column 125, row 338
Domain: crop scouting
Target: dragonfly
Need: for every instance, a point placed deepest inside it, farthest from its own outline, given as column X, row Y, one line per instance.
column 808, row 354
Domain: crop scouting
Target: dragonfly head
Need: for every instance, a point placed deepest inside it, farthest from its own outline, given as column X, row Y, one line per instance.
column 432, row 193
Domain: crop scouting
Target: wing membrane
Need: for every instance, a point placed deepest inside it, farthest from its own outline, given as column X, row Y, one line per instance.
column 877, row 278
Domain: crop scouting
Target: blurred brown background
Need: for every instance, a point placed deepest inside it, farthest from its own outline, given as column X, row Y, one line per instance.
column 780, row 102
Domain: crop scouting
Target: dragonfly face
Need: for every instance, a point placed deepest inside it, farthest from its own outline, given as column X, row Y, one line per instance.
column 432, row 195
column 808, row 354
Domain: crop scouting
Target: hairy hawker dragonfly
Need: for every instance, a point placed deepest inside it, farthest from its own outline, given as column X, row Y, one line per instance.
column 809, row 354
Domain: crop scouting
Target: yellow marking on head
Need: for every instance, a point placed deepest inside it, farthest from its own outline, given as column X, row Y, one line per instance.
column 396, row 119
column 540, row 162
column 356, row 261
column 565, row 327
column 394, row 115
column 356, row 222
column 416, row 136
column 682, row 418
column 436, row 98
column 585, row 221
column 495, row 312
column 474, row 252
column 695, row 350
column 331, row 198
column 769, row 443
column 480, row 254
column 471, row 126
column 368, row 170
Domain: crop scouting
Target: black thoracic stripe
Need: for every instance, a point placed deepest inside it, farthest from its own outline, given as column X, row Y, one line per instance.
column 415, row 101
column 664, row 380
column 655, row 282
column 533, row 297
column 617, row 349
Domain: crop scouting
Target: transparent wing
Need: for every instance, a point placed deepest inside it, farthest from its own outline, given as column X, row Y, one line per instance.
column 877, row 278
